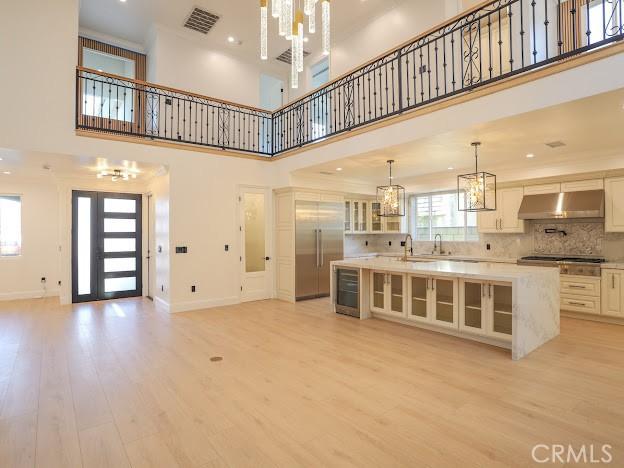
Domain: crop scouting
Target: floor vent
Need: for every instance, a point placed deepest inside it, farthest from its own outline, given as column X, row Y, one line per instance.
column 555, row 144
column 286, row 56
column 201, row 21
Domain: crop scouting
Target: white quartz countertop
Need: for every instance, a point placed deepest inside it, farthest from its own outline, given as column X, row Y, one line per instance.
column 457, row 258
column 618, row 265
column 490, row 271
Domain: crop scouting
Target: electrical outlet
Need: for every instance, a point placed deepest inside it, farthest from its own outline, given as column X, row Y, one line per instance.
column 162, row 287
column 43, row 280
column 390, row 243
column 366, row 243
column 59, row 283
column 227, row 248
column 402, row 243
column 193, row 288
column 488, row 247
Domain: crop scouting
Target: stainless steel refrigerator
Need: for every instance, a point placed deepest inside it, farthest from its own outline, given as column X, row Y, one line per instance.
column 319, row 240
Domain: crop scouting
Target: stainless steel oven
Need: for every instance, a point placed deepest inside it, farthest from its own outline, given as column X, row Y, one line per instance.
column 579, row 266
column 347, row 295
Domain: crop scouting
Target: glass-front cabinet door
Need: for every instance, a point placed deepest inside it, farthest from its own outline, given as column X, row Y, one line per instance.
column 388, row 293
column 418, row 298
column 378, row 292
column 376, row 219
column 397, row 288
column 393, row 224
column 444, row 302
column 501, row 298
column 348, row 216
column 472, row 307
column 363, row 225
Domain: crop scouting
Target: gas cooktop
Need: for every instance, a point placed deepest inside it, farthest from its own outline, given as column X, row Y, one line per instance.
column 557, row 259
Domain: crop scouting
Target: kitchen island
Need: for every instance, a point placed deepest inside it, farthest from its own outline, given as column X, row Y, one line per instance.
column 511, row 306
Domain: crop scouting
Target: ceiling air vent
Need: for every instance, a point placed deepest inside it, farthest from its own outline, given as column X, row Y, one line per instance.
column 555, row 144
column 201, row 21
column 326, row 173
column 286, row 56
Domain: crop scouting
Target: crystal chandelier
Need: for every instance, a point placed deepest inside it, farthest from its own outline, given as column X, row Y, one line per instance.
column 391, row 197
column 291, row 18
column 476, row 191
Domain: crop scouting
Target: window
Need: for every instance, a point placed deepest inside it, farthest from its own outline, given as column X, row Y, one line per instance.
column 107, row 100
column 320, row 73
column 437, row 213
column 10, row 225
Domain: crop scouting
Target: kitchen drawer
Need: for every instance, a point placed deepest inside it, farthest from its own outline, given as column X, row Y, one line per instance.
column 585, row 304
column 580, row 285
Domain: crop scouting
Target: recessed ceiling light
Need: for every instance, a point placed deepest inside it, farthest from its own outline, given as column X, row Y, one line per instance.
column 306, row 39
column 530, row 155
column 0, row 159
column 122, row 1
column 231, row 39
column 6, row 173
column 451, row 168
column 339, row 169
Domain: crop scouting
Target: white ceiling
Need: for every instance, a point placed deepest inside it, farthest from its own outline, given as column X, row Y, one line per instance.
column 591, row 129
column 35, row 164
column 131, row 21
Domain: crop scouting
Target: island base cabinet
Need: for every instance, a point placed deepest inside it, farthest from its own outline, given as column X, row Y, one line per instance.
column 388, row 293
column 444, row 302
column 486, row 308
column 433, row 300
column 500, row 296
column 472, row 307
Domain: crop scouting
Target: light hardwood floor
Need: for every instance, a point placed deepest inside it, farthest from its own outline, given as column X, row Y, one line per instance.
column 120, row 384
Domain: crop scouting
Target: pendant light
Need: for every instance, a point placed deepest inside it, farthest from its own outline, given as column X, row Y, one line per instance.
column 391, row 197
column 476, row 191
column 325, row 10
column 263, row 29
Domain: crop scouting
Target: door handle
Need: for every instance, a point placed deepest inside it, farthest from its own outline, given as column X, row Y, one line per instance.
column 321, row 246
column 612, row 281
column 490, row 290
column 317, row 247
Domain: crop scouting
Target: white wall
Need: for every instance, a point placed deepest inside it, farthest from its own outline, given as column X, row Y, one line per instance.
column 159, row 248
column 177, row 62
column 20, row 277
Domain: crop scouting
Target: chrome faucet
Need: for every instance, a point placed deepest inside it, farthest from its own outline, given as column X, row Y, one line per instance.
column 436, row 247
column 409, row 236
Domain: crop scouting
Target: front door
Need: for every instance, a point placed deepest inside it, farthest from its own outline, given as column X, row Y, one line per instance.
column 106, row 246
column 255, row 259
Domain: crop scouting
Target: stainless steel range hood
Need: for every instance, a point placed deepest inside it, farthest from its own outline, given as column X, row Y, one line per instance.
column 585, row 204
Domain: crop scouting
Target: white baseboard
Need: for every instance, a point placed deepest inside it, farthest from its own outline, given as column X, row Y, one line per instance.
column 205, row 304
column 14, row 296
column 162, row 304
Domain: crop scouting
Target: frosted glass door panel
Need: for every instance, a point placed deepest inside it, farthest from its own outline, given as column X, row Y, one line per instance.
column 419, row 297
column 396, row 283
column 119, row 284
column 473, row 312
column 254, row 232
column 115, row 265
column 119, row 245
column 84, row 245
column 119, row 205
column 119, row 225
column 379, row 280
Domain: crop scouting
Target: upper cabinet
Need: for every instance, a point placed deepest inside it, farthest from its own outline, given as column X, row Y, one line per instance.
column 580, row 185
column 364, row 216
column 614, row 204
column 542, row 189
column 505, row 218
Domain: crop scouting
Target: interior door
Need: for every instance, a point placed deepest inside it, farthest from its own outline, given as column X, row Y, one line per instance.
column 307, row 250
column 255, row 247
column 331, row 242
column 106, row 246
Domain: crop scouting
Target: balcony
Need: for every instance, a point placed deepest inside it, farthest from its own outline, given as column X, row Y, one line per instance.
column 494, row 42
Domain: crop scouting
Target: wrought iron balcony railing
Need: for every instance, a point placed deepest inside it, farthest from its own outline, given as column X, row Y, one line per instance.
column 492, row 42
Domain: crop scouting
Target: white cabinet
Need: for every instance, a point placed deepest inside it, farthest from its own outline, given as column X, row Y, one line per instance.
column 433, row 300
column 580, row 294
column 505, row 218
column 614, row 205
column 364, row 216
column 388, row 293
column 486, row 308
column 613, row 293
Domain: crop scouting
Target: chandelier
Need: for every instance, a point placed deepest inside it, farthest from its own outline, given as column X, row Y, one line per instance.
column 476, row 191
column 116, row 174
column 291, row 18
column 391, row 197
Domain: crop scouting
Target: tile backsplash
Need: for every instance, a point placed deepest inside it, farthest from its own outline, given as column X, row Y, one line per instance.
column 582, row 238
